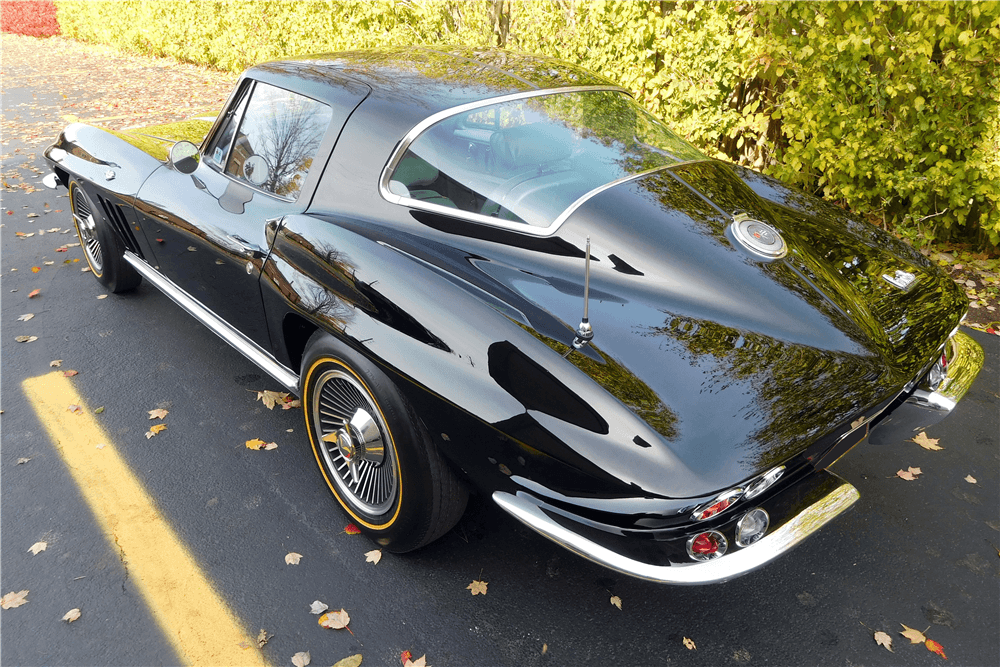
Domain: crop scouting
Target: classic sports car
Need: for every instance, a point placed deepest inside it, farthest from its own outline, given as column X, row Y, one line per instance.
column 493, row 271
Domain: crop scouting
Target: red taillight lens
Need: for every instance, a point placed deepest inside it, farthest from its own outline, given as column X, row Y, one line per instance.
column 712, row 510
column 707, row 545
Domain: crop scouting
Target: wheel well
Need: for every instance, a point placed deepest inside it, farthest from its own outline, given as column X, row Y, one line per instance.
column 296, row 331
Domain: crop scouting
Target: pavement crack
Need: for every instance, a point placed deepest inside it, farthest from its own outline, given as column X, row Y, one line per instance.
column 121, row 556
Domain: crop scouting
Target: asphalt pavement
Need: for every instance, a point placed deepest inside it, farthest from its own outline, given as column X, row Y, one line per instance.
column 923, row 553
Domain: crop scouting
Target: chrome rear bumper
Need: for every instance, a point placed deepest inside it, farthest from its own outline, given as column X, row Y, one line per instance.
column 928, row 405
column 818, row 512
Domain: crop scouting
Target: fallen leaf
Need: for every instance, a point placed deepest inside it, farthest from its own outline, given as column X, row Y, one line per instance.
column 405, row 657
column 373, row 556
column 191, row 248
column 25, row 317
column 36, row 269
column 158, row 413
column 504, row 469
column 35, row 215
column 55, row 363
column 13, row 599
column 909, row 475
column 99, row 410
column 292, row 403
column 689, row 644
column 271, row 445
column 419, row 662
column 102, row 296
column 75, row 409
column 351, row 529
column 292, row 558
column 85, row 269
column 23, row 459
column 26, row 339
column 269, row 398
column 256, row 443
column 616, row 601
column 71, row 615
column 301, row 659
column 934, row 647
column 262, row 638
column 33, row 293
column 970, row 479
column 477, row 587
column 915, row 636
column 48, row 263
column 925, row 442
column 335, row 620
column 38, row 547
column 883, row 639
column 70, row 374
column 349, row 661
column 100, row 446
column 317, row 607
column 154, row 429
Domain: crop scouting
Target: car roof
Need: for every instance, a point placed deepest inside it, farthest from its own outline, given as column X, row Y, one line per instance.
column 417, row 81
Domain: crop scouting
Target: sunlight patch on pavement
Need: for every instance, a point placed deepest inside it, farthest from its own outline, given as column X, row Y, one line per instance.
column 192, row 616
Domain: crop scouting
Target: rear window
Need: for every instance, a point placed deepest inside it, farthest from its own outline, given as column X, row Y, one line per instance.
column 528, row 160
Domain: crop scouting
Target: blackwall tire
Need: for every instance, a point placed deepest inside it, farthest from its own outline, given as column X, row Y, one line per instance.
column 102, row 248
column 373, row 453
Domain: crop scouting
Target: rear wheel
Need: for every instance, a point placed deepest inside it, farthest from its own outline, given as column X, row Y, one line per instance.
column 374, row 455
column 101, row 246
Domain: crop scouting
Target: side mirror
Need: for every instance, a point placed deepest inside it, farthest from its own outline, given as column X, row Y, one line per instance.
column 184, row 157
column 255, row 170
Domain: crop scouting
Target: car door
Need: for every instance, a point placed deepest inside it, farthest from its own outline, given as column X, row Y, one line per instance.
column 207, row 228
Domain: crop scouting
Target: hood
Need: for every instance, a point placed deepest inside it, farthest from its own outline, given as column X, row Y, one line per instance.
column 156, row 140
column 737, row 362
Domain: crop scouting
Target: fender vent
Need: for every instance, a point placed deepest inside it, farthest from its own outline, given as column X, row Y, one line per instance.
column 118, row 222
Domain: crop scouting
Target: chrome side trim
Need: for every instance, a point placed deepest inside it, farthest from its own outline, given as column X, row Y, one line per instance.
column 249, row 349
column 730, row 566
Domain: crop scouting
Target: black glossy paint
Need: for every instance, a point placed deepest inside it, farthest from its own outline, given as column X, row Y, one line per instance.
column 708, row 366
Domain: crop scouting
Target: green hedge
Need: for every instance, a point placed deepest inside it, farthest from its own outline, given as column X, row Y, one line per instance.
column 892, row 109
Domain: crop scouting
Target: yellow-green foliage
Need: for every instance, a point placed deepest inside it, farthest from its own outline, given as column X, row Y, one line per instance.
column 892, row 108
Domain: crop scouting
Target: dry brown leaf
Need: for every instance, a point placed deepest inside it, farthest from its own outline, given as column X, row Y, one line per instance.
column 25, row 317
column 909, row 474
column 689, row 644
column 38, row 547
column 69, row 374
column 419, row 662
column 55, row 363
column 616, row 601
column 301, row 659
column 349, row 661
column 154, row 429
column 23, row 459
column 292, row 558
column 100, row 446
column 262, row 638
column 317, row 607
column 13, row 599
column 373, row 556
column 925, row 442
column 102, row 296
column 75, row 409
column 883, row 639
column 71, row 615
column 271, row 445
column 33, row 293
column 158, row 413
column 255, row 443
column 970, row 479
column 335, row 620
column 26, row 339
column 915, row 636
column 477, row 587
column 269, row 398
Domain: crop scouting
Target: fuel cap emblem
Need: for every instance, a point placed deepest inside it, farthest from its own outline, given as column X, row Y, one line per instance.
column 759, row 238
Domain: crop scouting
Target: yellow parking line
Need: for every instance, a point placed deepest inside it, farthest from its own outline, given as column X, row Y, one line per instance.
column 191, row 614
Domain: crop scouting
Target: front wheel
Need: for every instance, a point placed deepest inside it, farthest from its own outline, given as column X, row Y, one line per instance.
column 101, row 246
column 374, row 455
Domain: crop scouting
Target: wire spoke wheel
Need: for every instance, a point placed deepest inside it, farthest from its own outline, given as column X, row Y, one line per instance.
column 357, row 450
column 83, row 216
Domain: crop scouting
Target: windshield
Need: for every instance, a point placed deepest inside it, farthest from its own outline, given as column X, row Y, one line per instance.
column 527, row 161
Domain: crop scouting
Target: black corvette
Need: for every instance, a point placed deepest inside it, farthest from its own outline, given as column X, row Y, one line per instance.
column 492, row 271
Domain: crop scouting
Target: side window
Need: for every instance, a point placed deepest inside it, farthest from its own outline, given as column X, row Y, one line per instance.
column 277, row 140
column 219, row 148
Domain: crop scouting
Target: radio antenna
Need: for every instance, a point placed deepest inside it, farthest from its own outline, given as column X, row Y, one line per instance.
column 584, row 333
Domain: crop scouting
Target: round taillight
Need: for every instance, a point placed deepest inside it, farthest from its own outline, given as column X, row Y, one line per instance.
column 751, row 527
column 706, row 546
